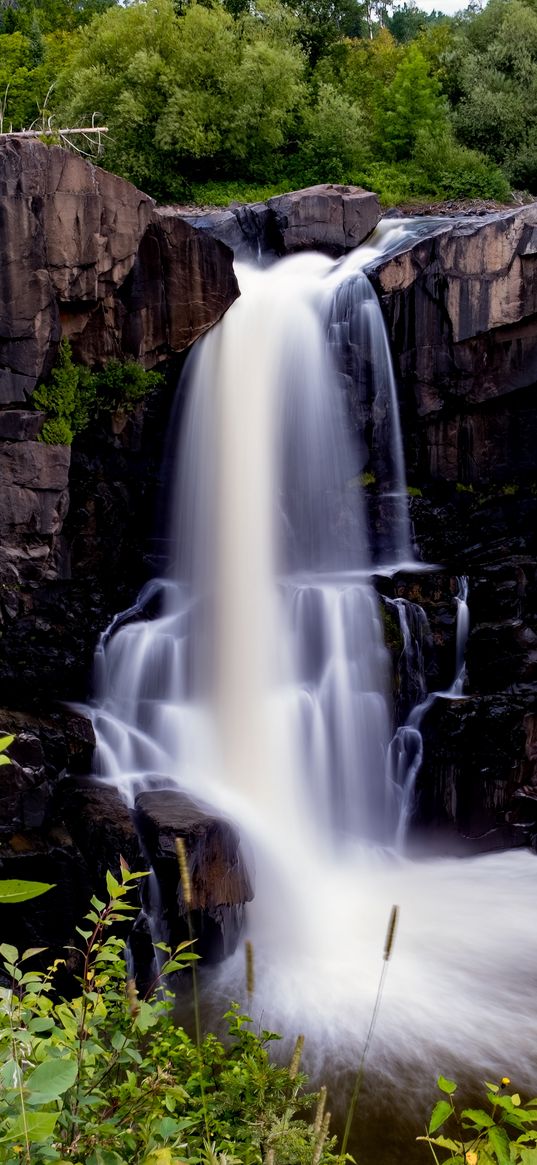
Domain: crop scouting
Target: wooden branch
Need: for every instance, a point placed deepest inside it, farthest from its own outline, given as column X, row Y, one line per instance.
column 39, row 133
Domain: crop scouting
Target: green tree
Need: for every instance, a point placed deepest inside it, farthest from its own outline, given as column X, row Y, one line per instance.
column 413, row 103
column 188, row 97
column 335, row 138
column 496, row 109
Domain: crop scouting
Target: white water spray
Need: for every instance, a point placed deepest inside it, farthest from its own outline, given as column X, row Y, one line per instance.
column 263, row 690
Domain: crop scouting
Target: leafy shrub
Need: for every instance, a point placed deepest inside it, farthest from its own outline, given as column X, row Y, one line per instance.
column 503, row 1134
column 454, row 171
column 335, row 142
column 57, row 431
column 107, row 1078
column 121, row 386
column 74, row 395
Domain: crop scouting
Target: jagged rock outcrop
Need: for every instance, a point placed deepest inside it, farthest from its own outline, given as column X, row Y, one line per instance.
column 326, row 218
column 461, row 307
column 87, row 255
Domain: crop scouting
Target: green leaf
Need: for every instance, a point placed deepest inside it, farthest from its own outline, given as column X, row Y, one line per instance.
column 448, row 1086
column 115, row 890
column 500, row 1143
column 49, row 1080
column 29, row 954
column 38, row 1025
column 8, row 952
column 5, row 742
column 14, row 890
column 37, row 1125
column 4, row 760
column 478, row 1117
column 442, row 1142
column 440, row 1113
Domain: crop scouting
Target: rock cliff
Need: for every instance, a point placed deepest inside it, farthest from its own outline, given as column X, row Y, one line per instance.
column 86, row 256
column 461, row 309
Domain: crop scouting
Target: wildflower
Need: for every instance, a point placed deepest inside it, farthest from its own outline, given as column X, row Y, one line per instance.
column 505, row 1080
column 471, row 1157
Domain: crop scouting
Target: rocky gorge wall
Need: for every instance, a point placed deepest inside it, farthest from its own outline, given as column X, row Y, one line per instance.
column 461, row 309
column 79, row 526
column 86, row 256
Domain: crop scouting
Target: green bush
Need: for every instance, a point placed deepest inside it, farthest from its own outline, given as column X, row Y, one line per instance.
column 454, row 171
column 505, row 1133
column 74, row 396
column 107, row 1078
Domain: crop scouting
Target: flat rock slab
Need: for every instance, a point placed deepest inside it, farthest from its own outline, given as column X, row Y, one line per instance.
column 327, row 217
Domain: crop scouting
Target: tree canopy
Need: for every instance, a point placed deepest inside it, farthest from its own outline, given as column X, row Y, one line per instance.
column 210, row 99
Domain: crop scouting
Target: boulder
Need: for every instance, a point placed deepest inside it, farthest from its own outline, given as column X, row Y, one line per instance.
column 329, row 218
column 219, row 878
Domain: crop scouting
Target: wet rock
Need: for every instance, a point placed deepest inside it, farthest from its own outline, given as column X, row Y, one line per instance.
column 219, row 878
column 100, row 824
column 50, row 856
column 472, row 770
column 54, row 742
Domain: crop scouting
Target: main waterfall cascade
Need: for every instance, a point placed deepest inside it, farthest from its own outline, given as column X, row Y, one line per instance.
column 262, row 690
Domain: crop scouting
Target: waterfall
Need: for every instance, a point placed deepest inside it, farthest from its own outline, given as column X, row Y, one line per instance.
column 262, row 689
column 405, row 753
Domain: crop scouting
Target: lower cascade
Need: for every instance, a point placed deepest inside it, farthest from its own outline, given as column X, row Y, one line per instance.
column 262, row 690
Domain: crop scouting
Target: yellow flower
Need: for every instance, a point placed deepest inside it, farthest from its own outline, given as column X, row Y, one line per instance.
column 471, row 1157
column 506, row 1080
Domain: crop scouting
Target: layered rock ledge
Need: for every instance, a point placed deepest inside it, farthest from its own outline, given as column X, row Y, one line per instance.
column 327, row 218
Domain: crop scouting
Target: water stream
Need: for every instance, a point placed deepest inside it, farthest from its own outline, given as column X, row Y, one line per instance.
column 262, row 689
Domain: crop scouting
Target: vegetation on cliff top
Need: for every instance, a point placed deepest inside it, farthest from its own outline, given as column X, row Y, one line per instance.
column 211, row 100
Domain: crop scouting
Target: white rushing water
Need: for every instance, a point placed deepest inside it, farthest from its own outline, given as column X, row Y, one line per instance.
column 262, row 690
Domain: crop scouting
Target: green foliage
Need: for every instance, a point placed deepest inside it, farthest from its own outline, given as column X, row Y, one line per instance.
column 14, row 890
column 503, row 1133
column 107, row 1078
column 496, row 97
column 334, row 142
column 453, row 171
column 5, row 742
column 412, row 105
column 74, row 395
column 189, row 97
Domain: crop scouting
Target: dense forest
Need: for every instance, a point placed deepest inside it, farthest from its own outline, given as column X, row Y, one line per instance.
column 221, row 99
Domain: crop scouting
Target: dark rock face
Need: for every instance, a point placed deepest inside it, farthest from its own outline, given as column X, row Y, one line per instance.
column 34, row 487
column 88, row 256
column 326, row 218
column 219, row 879
column 461, row 308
